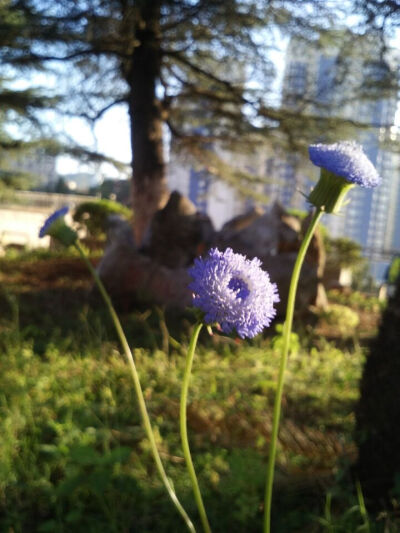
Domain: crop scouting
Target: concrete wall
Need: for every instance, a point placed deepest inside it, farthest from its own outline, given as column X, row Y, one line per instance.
column 22, row 216
column 21, row 228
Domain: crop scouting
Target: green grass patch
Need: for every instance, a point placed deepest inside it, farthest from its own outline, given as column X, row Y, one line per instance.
column 73, row 455
column 73, row 452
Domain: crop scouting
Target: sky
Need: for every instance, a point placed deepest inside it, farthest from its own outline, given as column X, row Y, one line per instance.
column 110, row 136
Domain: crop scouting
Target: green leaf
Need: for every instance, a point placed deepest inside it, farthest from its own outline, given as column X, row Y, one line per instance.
column 117, row 455
column 84, row 455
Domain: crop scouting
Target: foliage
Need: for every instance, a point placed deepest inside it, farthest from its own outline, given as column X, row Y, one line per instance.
column 17, row 258
column 208, row 76
column 73, row 452
column 382, row 16
column 353, row 515
column 277, row 340
column 192, row 77
column 363, row 281
column 22, row 128
column 26, row 132
column 394, row 271
column 19, row 107
column 356, row 300
column 343, row 318
column 343, row 252
column 94, row 214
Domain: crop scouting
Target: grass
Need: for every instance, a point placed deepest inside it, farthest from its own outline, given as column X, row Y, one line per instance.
column 73, row 455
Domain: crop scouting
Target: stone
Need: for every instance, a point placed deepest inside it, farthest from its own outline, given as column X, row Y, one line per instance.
column 157, row 272
column 253, row 234
column 178, row 233
column 133, row 278
column 275, row 238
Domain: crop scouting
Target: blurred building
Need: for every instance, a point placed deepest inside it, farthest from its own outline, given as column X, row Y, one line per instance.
column 38, row 164
column 220, row 200
column 343, row 77
column 350, row 80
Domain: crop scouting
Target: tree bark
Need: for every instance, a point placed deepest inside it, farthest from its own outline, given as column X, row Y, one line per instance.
column 149, row 187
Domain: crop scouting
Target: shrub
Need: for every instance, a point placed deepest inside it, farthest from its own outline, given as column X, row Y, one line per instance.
column 93, row 215
column 344, row 319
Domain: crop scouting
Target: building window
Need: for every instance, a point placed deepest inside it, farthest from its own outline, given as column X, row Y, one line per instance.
column 297, row 78
column 326, row 79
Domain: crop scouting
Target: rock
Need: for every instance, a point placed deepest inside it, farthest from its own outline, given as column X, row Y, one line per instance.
column 280, row 268
column 275, row 237
column 178, row 233
column 252, row 234
column 119, row 231
column 131, row 277
column 157, row 272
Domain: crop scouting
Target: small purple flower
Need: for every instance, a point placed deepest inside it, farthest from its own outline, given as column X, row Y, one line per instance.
column 44, row 230
column 55, row 227
column 234, row 292
column 346, row 159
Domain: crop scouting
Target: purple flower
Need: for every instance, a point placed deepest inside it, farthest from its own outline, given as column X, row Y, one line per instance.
column 44, row 230
column 55, row 227
column 234, row 292
column 346, row 159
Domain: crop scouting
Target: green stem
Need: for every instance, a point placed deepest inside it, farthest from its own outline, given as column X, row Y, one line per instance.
column 363, row 509
column 282, row 367
column 138, row 389
column 183, row 426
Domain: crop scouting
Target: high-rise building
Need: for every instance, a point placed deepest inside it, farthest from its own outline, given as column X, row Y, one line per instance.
column 335, row 77
column 38, row 164
column 341, row 82
column 215, row 197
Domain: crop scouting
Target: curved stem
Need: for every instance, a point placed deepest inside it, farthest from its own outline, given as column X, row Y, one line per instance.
column 138, row 390
column 183, row 426
column 282, row 367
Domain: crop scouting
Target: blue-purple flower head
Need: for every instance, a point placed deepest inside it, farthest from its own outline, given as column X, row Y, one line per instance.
column 55, row 226
column 48, row 223
column 234, row 292
column 346, row 159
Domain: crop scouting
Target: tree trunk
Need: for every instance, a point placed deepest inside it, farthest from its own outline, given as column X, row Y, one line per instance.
column 149, row 187
column 378, row 412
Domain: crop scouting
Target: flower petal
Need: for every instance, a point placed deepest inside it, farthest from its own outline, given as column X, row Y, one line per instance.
column 234, row 292
column 346, row 159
